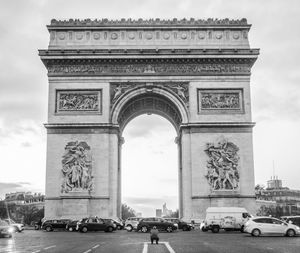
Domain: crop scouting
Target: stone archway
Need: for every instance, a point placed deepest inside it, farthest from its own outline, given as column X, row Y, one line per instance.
column 102, row 73
column 151, row 98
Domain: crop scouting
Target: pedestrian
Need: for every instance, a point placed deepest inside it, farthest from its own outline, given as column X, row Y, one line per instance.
column 154, row 235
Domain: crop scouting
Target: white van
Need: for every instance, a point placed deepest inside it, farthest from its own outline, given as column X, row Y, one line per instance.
column 227, row 218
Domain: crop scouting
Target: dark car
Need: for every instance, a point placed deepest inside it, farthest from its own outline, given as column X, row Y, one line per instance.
column 180, row 223
column 95, row 224
column 117, row 224
column 72, row 225
column 292, row 219
column 161, row 224
column 55, row 224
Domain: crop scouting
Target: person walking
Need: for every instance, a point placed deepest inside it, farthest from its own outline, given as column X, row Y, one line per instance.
column 154, row 235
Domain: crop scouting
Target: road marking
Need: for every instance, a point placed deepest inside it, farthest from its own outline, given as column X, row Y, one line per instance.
column 96, row 246
column 145, row 249
column 37, row 251
column 50, row 247
column 269, row 248
column 169, row 247
column 89, row 250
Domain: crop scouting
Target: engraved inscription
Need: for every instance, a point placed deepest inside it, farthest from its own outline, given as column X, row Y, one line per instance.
column 78, row 101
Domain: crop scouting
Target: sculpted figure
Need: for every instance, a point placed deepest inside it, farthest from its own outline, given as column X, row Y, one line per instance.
column 180, row 91
column 222, row 166
column 76, row 168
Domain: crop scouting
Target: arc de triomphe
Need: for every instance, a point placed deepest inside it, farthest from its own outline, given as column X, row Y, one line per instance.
column 103, row 73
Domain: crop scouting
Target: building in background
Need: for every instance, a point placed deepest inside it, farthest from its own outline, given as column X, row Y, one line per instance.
column 25, row 207
column 277, row 200
column 158, row 212
column 166, row 212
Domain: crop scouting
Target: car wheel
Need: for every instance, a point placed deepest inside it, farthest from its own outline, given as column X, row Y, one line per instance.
column 144, row 229
column 48, row 228
column 70, row 229
column 169, row 229
column 291, row 233
column 129, row 228
column 255, row 232
column 119, row 227
column 215, row 229
column 242, row 229
column 204, row 229
column 84, row 229
column 109, row 229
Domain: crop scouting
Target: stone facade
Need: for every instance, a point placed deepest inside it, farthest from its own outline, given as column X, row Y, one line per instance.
column 102, row 74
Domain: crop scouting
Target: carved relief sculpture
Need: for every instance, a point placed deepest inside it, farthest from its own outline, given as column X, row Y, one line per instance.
column 222, row 166
column 78, row 101
column 77, row 168
column 220, row 100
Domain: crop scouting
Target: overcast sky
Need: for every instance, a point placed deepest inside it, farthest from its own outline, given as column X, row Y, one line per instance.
column 275, row 92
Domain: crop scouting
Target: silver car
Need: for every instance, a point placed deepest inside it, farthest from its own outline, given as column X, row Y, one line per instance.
column 268, row 225
column 131, row 223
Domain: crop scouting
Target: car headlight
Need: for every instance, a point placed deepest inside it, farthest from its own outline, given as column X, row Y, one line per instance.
column 298, row 228
column 10, row 230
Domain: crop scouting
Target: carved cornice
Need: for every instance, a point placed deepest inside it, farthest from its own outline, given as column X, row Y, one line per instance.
column 149, row 22
column 171, row 67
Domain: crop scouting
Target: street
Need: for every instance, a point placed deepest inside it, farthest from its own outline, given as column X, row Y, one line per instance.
column 122, row 241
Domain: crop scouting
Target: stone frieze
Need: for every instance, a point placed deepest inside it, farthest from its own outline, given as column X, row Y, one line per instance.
column 76, row 101
column 77, row 168
column 211, row 100
column 149, row 68
column 222, row 165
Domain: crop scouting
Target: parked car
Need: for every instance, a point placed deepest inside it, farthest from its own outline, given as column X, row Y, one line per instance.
column 18, row 227
column 131, row 223
column 6, row 230
column 269, row 225
column 72, row 225
column 227, row 218
column 146, row 224
column 117, row 224
column 292, row 219
column 95, row 224
column 55, row 224
column 180, row 224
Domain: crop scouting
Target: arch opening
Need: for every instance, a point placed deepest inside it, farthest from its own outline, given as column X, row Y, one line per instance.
column 149, row 104
column 149, row 165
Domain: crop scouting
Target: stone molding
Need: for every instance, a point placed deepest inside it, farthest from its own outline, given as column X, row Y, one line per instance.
column 148, row 22
column 77, row 197
column 223, row 196
column 171, row 67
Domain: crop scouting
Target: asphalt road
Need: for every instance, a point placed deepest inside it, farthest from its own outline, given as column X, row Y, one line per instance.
column 133, row 242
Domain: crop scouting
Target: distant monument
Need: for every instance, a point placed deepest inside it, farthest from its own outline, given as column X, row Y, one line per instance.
column 103, row 73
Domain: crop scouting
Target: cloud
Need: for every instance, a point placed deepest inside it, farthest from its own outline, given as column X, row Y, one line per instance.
column 7, row 187
column 26, row 144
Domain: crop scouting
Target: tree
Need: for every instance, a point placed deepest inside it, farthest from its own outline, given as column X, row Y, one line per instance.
column 127, row 212
column 3, row 210
column 30, row 213
column 259, row 187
